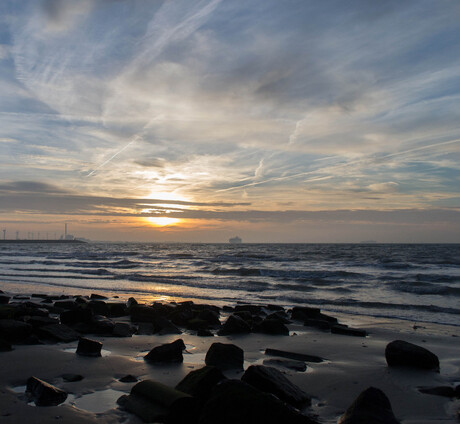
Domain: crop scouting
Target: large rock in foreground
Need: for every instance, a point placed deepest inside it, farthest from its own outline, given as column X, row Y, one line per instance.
column 43, row 393
column 154, row 402
column 370, row 407
column 405, row 354
column 271, row 380
column 170, row 352
column 225, row 356
column 88, row 347
column 200, row 383
column 234, row 401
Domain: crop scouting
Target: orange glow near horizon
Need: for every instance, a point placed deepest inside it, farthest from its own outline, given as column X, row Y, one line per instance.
column 163, row 221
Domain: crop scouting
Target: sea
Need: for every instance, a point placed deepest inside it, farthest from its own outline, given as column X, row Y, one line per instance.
column 416, row 282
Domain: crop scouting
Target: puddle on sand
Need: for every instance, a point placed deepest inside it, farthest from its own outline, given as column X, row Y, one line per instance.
column 96, row 402
column 104, row 352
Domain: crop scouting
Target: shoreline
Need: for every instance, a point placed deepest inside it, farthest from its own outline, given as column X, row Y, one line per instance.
column 352, row 364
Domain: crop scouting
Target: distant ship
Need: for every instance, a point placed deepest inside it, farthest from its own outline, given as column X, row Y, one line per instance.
column 235, row 240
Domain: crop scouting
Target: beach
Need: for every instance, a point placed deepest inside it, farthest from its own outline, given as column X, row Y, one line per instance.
column 351, row 363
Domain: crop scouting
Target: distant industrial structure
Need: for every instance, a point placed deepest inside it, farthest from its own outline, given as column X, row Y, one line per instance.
column 64, row 238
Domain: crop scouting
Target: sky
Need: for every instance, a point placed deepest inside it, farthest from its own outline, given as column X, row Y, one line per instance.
column 198, row 120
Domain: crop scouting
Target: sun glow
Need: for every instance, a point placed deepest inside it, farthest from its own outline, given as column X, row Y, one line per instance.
column 163, row 221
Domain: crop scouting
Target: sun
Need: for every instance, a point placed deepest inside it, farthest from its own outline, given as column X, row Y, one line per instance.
column 163, row 221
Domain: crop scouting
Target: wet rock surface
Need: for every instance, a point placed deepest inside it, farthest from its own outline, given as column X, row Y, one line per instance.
column 225, row 356
column 88, row 347
column 400, row 353
column 170, row 352
column 43, row 393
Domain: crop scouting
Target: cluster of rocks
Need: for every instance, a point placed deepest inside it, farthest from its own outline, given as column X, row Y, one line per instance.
column 263, row 394
column 43, row 318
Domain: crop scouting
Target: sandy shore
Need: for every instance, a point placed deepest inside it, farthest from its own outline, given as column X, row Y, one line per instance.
column 352, row 365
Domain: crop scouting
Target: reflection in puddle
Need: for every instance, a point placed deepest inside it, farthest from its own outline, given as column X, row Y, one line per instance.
column 96, row 402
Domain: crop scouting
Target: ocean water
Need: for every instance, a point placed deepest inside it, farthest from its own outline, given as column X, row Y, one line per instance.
column 418, row 282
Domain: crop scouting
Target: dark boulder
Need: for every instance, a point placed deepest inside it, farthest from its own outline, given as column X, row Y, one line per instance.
column 99, row 307
column 280, row 316
column 100, row 324
column 253, row 309
column 271, row 380
column 170, row 352
column 321, row 324
column 302, row 313
column 225, row 356
column 76, row 316
column 95, row 296
column 370, row 407
column 405, row 354
column 123, row 329
column 71, row 378
column 128, row 379
column 66, row 304
column 234, row 401
column 58, row 332
column 272, row 326
column 444, row 391
column 293, row 355
column 43, row 393
column 197, row 324
column 286, row 363
column 347, row 331
column 118, row 309
column 234, row 325
column 210, row 316
column 200, row 383
column 154, row 402
column 142, row 313
column 88, row 347
column 14, row 331
column 131, row 302
column 4, row 299
column 164, row 326
column 8, row 311
column 37, row 321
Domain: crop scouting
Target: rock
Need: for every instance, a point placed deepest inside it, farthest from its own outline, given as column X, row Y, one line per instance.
column 245, row 315
column 131, row 302
column 14, row 331
column 96, row 296
column 225, row 356
column 197, row 324
column 4, row 299
column 170, row 352
column 128, row 379
column 36, row 321
column 253, row 309
column 271, row 380
column 43, row 393
column 58, row 332
column 317, row 323
column 280, row 316
column 293, row 355
column 301, row 313
column 210, row 316
column 164, row 326
column 118, row 309
column 200, row 383
column 145, row 329
column 272, row 307
column 142, row 313
column 202, row 332
column 234, row 401
column 8, row 311
column 272, row 326
column 346, row 331
column 370, row 407
column 75, row 316
column 99, row 307
column 100, row 324
column 445, row 391
column 81, row 300
column 123, row 329
column 285, row 363
column 405, row 354
column 71, row 378
column 154, row 402
column 66, row 304
column 234, row 325
column 88, row 347
column 5, row 346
